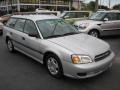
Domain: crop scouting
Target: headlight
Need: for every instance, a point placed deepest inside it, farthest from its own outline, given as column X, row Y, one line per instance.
column 83, row 25
column 81, row 59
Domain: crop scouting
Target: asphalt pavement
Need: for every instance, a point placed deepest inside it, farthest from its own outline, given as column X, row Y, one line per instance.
column 19, row 72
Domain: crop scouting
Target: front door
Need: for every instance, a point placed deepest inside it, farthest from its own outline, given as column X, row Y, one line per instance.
column 32, row 43
column 111, row 25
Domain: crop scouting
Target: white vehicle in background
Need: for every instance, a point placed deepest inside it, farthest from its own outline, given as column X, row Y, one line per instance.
column 56, row 13
column 41, row 10
column 47, row 12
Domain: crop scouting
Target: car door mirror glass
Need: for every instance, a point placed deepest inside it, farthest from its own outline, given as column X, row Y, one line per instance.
column 106, row 19
column 66, row 17
column 33, row 35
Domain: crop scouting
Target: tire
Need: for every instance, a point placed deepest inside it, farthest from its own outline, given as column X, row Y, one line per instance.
column 94, row 33
column 54, row 66
column 1, row 33
column 10, row 45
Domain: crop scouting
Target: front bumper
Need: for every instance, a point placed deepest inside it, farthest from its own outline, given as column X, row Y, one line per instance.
column 87, row 70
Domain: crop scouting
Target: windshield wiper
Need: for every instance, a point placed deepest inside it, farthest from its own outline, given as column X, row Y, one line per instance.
column 53, row 36
column 71, row 33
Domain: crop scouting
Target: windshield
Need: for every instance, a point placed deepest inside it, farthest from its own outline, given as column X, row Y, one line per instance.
column 55, row 28
column 98, row 16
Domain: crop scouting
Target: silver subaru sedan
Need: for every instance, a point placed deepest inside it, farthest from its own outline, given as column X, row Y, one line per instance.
column 58, row 45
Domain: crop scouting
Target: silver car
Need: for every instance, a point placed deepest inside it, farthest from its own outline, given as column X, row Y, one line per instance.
column 58, row 45
column 101, row 23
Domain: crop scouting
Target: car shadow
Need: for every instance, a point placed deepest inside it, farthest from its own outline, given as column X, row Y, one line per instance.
column 111, row 37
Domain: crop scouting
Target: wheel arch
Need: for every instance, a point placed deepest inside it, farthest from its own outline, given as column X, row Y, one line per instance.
column 94, row 29
column 48, row 53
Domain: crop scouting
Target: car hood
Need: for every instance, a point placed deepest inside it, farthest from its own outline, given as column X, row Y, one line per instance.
column 82, row 44
column 87, row 21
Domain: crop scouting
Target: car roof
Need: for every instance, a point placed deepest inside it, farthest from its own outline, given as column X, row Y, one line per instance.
column 77, row 11
column 111, row 11
column 36, row 17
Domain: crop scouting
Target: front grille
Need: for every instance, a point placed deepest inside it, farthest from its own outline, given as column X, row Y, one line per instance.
column 102, row 56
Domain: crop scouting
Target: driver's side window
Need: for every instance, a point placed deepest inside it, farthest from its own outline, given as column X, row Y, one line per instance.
column 30, row 27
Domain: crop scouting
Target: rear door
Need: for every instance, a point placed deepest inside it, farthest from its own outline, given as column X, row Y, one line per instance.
column 18, row 34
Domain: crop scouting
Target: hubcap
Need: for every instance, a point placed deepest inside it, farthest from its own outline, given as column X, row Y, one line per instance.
column 53, row 66
column 95, row 34
column 9, row 45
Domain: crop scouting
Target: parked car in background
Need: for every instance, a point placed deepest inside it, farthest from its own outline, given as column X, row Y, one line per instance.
column 56, row 13
column 1, row 28
column 41, row 10
column 72, row 16
column 5, row 18
column 101, row 23
column 58, row 45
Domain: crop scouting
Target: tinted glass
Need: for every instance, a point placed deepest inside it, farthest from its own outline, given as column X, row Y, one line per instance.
column 112, row 16
column 83, row 14
column 30, row 27
column 71, row 15
column 19, row 24
column 11, row 22
column 118, row 16
column 98, row 16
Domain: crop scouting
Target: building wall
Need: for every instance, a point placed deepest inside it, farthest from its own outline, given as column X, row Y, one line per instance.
column 23, row 4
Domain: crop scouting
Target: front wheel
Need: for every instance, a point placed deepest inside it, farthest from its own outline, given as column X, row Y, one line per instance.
column 94, row 33
column 54, row 66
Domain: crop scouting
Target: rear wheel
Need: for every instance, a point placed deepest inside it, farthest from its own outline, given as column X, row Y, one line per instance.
column 94, row 33
column 1, row 33
column 10, row 45
column 54, row 66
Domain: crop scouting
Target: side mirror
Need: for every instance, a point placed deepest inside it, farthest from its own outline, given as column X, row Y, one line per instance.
column 66, row 17
column 33, row 35
column 106, row 19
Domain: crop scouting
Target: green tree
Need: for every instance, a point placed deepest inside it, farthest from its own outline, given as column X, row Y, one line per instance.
column 103, row 7
column 116, row 7
column 91, row 6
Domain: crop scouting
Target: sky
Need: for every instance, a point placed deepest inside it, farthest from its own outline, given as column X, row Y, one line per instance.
column 106, row 2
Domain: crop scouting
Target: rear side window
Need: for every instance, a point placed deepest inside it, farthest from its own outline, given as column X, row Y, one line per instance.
column 112, row 16
column 71, row 15
column 118, row 16
column 83, row 14
column 11, row 22
column 19, row 25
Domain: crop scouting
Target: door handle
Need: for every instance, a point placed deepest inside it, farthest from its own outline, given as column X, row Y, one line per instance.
column 23, row 38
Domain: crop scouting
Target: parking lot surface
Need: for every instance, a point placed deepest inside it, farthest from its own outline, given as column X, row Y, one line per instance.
column 19, row 72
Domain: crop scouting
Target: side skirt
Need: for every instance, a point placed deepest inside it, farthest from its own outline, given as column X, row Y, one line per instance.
column 40, row 61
